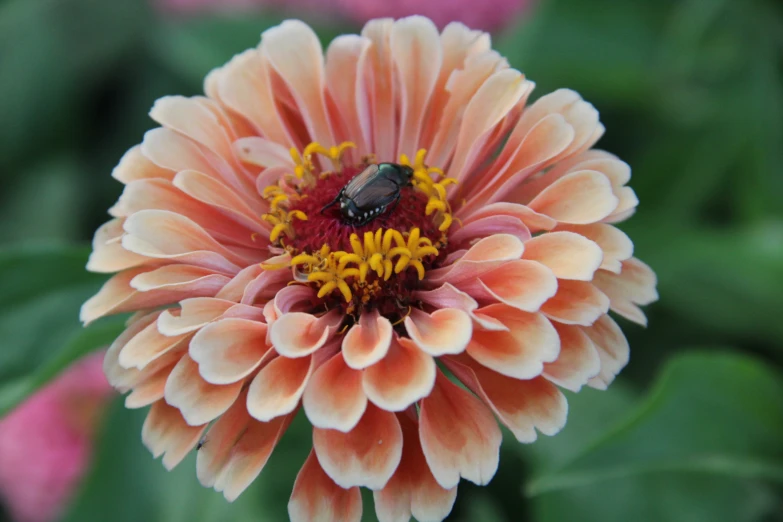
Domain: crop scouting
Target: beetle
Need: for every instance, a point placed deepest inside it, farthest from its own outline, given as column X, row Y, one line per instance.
column 370, row 192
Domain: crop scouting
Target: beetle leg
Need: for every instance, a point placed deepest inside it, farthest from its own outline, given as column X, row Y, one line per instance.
column 336, row 198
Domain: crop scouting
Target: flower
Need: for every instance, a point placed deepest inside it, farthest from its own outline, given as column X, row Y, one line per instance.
column 484, row 254
column 46, row 442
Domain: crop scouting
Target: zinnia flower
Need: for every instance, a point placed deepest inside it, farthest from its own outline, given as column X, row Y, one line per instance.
column 482, row 254
column 46, row 443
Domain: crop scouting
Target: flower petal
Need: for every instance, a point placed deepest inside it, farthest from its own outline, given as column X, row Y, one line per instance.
column 521, row 352
column 485, row 255
column 459, row 436
column 446, row 296
column 365, row 456
column 568, row 255
column 368, row 341
column 166, row 433
column 277, row 388
column 524, row 406
column 182, row 278
column 199, row 401
column 523, row 284
column 134, row 165
column 634, row 285
column 298, row 334
column 344, row 59
column 577, row 198
column 148, row 345
column 444, row 331
column 576, row 302
column 615, row 244
column 612, row 347
column 578, row 361
column 401, row 378
column 316, row 498
column 378, row 111
column 334, row 398
column 229, row 350
column 192, row 315
column 107, row 253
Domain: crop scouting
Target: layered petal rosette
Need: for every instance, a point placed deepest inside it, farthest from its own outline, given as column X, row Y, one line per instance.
column 477, row 247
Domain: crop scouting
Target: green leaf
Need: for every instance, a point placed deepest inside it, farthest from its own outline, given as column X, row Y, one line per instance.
column 698, row 448
column 41, row 290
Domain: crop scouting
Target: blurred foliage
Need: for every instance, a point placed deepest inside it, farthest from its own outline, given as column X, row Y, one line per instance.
column 691, row 94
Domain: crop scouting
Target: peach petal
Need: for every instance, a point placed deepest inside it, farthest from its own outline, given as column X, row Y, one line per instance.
column 278, row 387
column 316, row 498
column 418, row 55
column 165, row 235
column 345, row 57
column 244, row 86
column 175, row 152
column 368, row 341
column 377, row 114
column 577, row 198
column 236, row 448
column 459, row 436
column 533, row 220
column 633, row 286
column 262, row 152
column 482, row 257
column 298, row 334
column 199, row 401
column 149, row 388
column 576, row 302
column 445, row 331
column 192, row 315
column 627, row 206
column 568, row 255
column 612, row 347
column 523, row 284
column 295, row 52
column 265, row 286
column 123, row 379
column 492, row 101
column 180, row 277
column 217, row 195
column 134, row 165
column 107, row 254
column 365, row 456
column 521, row 352
column 235, row 288
column 401, row 378
column 229, row 350
column 148, row 345
column 166, row 433
column 446, row 296
column 523, row 406
column 489, row 226
column 412, row 490
column 615, row 244
column 334, row 398
column 578, row 361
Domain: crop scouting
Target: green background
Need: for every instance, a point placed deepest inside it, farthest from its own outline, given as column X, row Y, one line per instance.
column 691, row 94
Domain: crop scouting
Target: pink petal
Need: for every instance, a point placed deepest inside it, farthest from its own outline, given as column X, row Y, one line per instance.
column 365, row 456
column 459, row 436
column 236, row 448
column 576, row 302
column 134, row 165
column 123, row 379
column 578, row 198
column 368, row 341
column 263, row 152
column 401, row 378
column 634, row 285
column 277, row 388
column 199, row 401
column 415, row 46
column 166, row 235
column 568, row 255
column 192, row 315
column 482, row 257
column 521, row 352
column 612, row 347
column 225, row 200
column 444, row 331
column 523, row 284
column 298, row 334
column 316, row 498
column 524, row 406
column 149, row 387
column 489, row 226
column 181, row 278
column 229, row 350
column 166, row 433
column 447, row 296
column 379, row 108
column 107, row 254
column 295, row 52
column 614, row 243
column 412, row 489
column 175, row 152
column 345, row 57
column 578, row 361
column 148, row 345
column 334, row 398
column 533, row 220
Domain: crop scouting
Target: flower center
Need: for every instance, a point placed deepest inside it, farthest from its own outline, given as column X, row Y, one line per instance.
column 364, row 234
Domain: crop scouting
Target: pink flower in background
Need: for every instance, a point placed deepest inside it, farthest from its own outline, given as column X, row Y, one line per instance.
column 46, row 443
column 481, row 15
